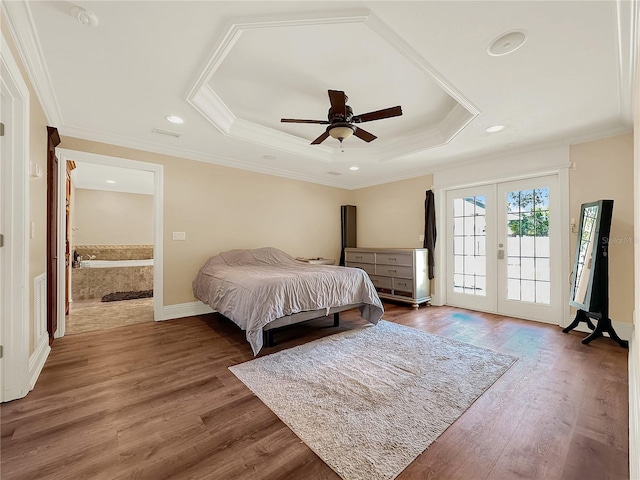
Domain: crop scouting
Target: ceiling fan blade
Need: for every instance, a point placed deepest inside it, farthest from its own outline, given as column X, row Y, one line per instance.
column 378, row 114
column 364, row 135
column 295, row 120
column 320, row 139
column 338, row 102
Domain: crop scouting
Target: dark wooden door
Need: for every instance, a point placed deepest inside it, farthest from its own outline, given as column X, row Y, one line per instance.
column 52, row 232
column 67, row 248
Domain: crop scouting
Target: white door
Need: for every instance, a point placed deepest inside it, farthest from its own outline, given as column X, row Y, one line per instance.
column 504, row 249
column 471, row 233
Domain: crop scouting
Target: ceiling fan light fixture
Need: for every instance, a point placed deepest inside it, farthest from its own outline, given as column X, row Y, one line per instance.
column 341, row 132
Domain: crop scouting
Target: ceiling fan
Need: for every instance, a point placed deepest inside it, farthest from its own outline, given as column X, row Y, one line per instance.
column 341, row 120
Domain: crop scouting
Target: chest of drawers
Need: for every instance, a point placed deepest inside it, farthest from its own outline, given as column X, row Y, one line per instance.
column 397, row 273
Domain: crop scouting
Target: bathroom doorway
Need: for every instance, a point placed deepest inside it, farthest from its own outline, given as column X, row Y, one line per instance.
column 112, row 242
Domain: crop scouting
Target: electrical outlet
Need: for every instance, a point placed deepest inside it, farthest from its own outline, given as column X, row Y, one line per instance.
column 179, row 236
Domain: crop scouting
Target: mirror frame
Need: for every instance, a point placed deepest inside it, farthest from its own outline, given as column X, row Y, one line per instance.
column 594, row 254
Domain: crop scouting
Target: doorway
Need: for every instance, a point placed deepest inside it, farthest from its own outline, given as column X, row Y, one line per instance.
column 504, row 251
column 109, row 314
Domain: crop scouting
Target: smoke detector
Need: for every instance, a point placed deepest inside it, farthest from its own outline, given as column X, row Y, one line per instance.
column 85, row 17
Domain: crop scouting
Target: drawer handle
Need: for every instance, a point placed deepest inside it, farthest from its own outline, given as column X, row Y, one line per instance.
column 394, row 271
column 358, row 257
column 393, row 258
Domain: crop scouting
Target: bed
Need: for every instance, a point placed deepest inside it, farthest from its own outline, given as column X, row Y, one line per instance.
column 265, row 288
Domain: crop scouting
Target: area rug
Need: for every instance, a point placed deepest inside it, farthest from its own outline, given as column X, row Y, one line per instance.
column 369, row 401
column 118, row 296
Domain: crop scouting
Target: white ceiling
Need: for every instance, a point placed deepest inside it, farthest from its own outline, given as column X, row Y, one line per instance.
column 233, row 69
column 95, row 176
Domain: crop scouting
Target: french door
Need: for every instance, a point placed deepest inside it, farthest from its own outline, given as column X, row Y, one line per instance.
column 504, row 249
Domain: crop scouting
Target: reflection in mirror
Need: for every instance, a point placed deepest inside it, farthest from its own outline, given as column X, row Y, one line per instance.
column 584, row 265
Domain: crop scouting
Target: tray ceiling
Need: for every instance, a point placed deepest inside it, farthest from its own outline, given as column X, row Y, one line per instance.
column 233, row 69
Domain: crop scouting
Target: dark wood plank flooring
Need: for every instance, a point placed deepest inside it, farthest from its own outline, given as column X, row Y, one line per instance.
column 154, row 401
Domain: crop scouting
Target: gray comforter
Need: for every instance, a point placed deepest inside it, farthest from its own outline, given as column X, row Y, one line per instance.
column 255, row 287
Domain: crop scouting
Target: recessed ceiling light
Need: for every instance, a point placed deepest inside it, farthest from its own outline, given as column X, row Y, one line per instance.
column 175, row 119
column 494, row 128
column 507, row 43
column 354, row 168
column 110, row 181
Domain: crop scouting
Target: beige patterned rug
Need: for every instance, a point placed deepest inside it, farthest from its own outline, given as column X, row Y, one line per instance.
column 369, row 401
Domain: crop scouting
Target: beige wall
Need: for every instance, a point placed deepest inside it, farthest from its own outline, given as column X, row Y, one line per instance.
column 221, row 208
column 111, row 218
column 604, row 170
column 37, row 186
column 392, row 214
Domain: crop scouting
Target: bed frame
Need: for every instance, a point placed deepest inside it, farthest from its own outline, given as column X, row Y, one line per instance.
column 301, row 317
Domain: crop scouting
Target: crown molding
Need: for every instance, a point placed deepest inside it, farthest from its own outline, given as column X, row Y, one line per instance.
column 23, row 31
column 127, row 142
column 211, row 107
column 205, row 100
column 254, row 133
column 406, row 50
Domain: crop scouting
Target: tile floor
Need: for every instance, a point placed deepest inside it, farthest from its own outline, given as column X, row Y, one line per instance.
column 92, row 315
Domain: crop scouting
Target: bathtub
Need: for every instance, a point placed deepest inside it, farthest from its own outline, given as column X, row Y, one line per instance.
column 115, row 263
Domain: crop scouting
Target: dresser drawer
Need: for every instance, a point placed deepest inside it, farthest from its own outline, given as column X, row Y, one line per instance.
column 361, row 257
column 402, row 284
column 392, row 271
column 381, row 282
column 405, row 259
column 370, row 268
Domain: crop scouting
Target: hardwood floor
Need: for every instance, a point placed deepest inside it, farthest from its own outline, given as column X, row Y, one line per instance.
column 156, row 400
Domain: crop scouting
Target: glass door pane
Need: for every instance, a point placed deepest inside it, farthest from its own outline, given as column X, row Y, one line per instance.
column 470, row 230
column 527, row 247
column 469, row 245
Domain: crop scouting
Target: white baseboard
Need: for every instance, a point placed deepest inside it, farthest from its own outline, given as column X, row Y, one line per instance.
column 38, row 359
column 181, row 310
column 634, row 406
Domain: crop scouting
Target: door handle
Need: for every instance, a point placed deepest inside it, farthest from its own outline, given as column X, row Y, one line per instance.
column 501, row 254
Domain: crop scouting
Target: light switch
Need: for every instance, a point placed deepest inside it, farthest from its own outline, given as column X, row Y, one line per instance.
column 421, row 238
column 179, row 236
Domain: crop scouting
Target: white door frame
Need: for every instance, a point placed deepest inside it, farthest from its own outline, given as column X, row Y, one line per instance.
column 552, row 161
column 158, row 196
column 15, row 190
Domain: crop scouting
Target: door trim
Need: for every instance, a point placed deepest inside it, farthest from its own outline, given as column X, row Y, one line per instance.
column 15, row 327
column 53, row 215
column 158, row 202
